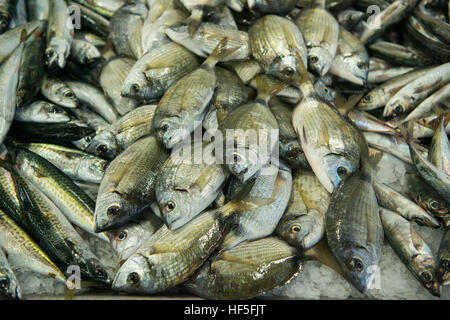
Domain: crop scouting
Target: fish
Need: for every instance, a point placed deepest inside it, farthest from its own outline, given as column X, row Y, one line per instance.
column 186, row 248
column 133, row 125
column 95, row 99
column 400, row 55
column 416, row 91
column 444, row 260
column 58, row 92
column 349, row 18
column 303, row 223
column 251, row 143
column 184, row 105
column 128, row 184
column 261, row 222
column 42, row 112
column 187, row 185
column 208, row 36
column 352, row 60
column 76, row 164
column 84, row 52
column 9, row 286
column 321, row 32
column 112, row 78
column 127, row 239
column 276, row 44
column 157, row 70
column 353, row 227
column 411, row 249
column 440, row 97
column 91, row 20
column 38, row 9
column 58, row 237
column 23, row 253
column 246, row 70
column 367, row 122
column 332, row 145
column 247, row 270
column 106, row 8
column 59, row 35
column 271, row 6
column 9, row 79
column 439, row 154
column 392, row 200
column 6, row 12
column 68, row 198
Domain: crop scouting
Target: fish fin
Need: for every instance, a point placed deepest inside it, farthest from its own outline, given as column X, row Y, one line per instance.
column 194, row 21
column 322, row 253
column 375, row 157
column 428, row 86
column 416, row 238
column 220, row 53
column 205, row 178
column 267, row 90
column 407, row 131
column 302, row 78
column 242, row 202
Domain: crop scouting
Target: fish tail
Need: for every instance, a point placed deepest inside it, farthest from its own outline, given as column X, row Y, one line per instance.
column 321, row 252
column 220, row 53
column 301, row 78
column 319, row 3
column 267, row 90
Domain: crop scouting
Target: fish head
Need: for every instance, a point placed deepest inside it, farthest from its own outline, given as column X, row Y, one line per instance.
column 293, row 154
column 56, row 53
column 284, row 68
column 303, row 232
column 359, row 265
column 135, row 275
column 135, row 86
column 179, row 32
column 104, row 145
column 443, row 271
column 356, row 69
column 9, row 286
column 54, row 112
column 434, row 205
column 373, row 98
column 170, row 130
column 89, row 54
column 427, row 277
column 324, row 92
column 94, row 270
column 395, row 108
column 244, row 163
column 112, row 210
column 64, row 96
column 332, row 168
column 319, row 60
column 4, row 20
column 127, row 239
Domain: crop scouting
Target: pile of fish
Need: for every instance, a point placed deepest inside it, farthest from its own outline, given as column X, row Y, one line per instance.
column 130, row 121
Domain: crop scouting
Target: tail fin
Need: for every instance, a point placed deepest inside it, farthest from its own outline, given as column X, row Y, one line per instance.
column 267, row 87
column 243, row 202
column 220, row 53
column 321, row 252
column 194, row 21
column 301, row 78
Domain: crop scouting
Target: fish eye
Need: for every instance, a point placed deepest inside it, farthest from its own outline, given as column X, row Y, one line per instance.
column 313, row 59
column 295, row 229
column 164, row 127
column 236, row 158
column 446, row 266
column 133, row 278
column 326, row 89
column 288, row 71
column 135, row 88
column 4, row 283
column 3, row 19
column 100, row 273
column 113, row 210
column 368, row 98
column 341, row 171
column 426, row 276
column 68, row 94
column 398, row 109
column 358, row 264
column 434, row 204
column 361, row 65
column 170, row 206
column 122, row 235
column 48, row 55
column 101, row 148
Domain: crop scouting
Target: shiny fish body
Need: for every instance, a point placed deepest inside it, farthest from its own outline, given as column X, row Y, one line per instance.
column 439, row 154
column 246, row 271
column 399, row 55
column 352, row 60
column 103, row 7
column 246, row 70
column 271, row 6
column 261, row 222
column 367, row 122
column 11, row 39
column 134, row 125
column 58, row 92
column 444, row 260
column 157, row 70
column 38, row 9
column 128, row 184
column 6, row 13
column 76, row 164
column 23, row 253
column 379, row 96
column 112, row 78
column 391, row 199
column 43, row 112
column 321, row 32
column 208, row 36
column 275, row 43
column 9, row 286
column 303, row 223
column 440, row 97
column 186, row 186
column 58, row 236
column 84, row 52
column 416, row 91
column 9, row 77
column 411, row 248
column 95, row 99
column 70, row 200
column 59, row 35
